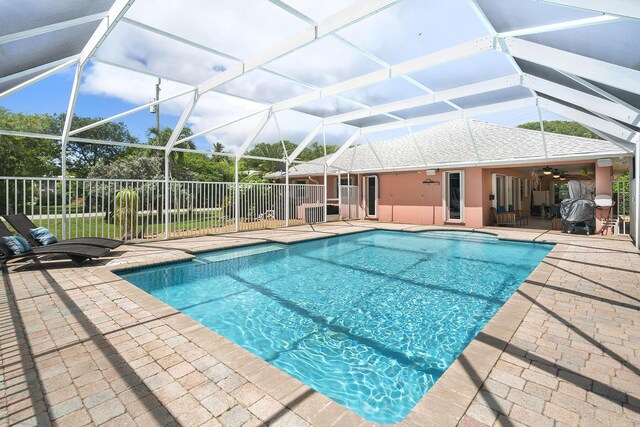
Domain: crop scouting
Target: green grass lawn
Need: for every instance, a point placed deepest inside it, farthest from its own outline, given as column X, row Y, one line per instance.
column 98, row 227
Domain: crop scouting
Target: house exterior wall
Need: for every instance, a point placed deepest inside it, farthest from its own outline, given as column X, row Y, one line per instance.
column 404, row 197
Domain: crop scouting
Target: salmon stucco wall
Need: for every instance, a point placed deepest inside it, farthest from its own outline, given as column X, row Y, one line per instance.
column 473, row 197
column 405, row 198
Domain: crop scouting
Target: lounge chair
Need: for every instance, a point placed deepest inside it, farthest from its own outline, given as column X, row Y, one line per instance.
column 503, row 218
column 78, row 253
column 23, row 225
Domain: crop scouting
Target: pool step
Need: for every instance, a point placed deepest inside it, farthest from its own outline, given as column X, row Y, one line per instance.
column 461, row 235
column 238, row 253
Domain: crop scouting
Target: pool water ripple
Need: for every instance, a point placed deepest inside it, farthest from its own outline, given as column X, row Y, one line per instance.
column 371, row 320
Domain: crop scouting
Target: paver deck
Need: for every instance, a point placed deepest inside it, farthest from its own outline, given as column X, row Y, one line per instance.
column 80, row 346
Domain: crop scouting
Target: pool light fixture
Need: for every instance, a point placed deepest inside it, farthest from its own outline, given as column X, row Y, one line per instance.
column 546, row 170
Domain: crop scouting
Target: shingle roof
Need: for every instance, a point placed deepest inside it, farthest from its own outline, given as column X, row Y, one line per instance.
column 450, row 145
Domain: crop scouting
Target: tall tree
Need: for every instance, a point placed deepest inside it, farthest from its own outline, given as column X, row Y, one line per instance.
column 176, row 158
column 562, row 127
column 82, row 157
column 275, row 151
column 25, row 156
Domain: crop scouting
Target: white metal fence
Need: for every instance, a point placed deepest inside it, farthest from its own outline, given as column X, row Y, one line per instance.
column 141, row 209
column 621, row 210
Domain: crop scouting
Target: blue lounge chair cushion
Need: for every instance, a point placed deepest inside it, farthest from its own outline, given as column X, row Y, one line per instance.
column 500, row 209
column 16, row 244
column 43, row 235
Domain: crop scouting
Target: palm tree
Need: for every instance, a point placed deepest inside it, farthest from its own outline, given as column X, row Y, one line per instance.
column 218, row 147
column 161, row 138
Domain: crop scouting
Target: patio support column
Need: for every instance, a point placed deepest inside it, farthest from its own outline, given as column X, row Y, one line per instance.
column 167, row 195
column 64, row 141
column 340, row 195
column 636, row 192
column 324, row 215
column 286, row 193
column 236, row 196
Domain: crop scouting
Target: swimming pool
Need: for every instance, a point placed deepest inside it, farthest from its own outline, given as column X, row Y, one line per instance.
column 371, row 320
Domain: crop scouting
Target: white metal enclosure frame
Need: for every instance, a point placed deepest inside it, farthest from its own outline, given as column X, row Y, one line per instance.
column 602, row 95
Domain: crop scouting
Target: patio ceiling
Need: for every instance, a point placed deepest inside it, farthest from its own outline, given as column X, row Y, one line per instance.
column 576, row 59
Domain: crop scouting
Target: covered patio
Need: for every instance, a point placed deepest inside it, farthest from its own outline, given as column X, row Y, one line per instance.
column 81, row 346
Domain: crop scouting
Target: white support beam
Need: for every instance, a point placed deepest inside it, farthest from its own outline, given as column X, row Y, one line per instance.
column 582, row 99
column 40, row 68
column 89, row 141
column 578, row 23
column 44, row 75
column 375, row 153
column 485, row 109
column 462, row 50
column 442, row 117
column 472, row 140
column 542, row 133
column 51, row 28
column 340, row 20
column 602, row 92
column 334, row 23
column 415, row 142
column 253, row 135
column 588, row 119
column 624, row 8
column 166, row 77
column 65, row 140
column 182, row 122
column 117, row 11
column 499, row 44
column 608, row 137
column 306, row 141
column 635, row 199
column 220, row 126
column 176, row 38
column 430, row 60
column 343, row 148
column 419, row 101
column 592, row 69
column 128, row 112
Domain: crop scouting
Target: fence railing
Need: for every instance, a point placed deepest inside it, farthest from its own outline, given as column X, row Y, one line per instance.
column 621, row 210
column 141, row 209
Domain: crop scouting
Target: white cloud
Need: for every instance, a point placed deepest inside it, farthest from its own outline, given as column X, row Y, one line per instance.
column 243, row 28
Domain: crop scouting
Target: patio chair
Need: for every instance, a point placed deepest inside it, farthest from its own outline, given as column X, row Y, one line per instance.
column 77, row 253
column 503, row 218
column 23, row 225
column 522, row 217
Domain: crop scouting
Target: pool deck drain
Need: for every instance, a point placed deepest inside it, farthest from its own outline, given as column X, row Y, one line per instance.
column 80, row 346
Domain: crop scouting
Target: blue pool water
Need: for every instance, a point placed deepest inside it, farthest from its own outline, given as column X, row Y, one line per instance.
column 371, row 320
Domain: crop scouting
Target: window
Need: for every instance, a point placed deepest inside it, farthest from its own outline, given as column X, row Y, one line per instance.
column 351, row 180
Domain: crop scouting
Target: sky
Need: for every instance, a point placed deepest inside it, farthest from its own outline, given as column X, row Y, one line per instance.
column 243, row 28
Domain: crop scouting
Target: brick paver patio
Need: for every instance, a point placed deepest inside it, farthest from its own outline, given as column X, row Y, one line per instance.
column 80, row 346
